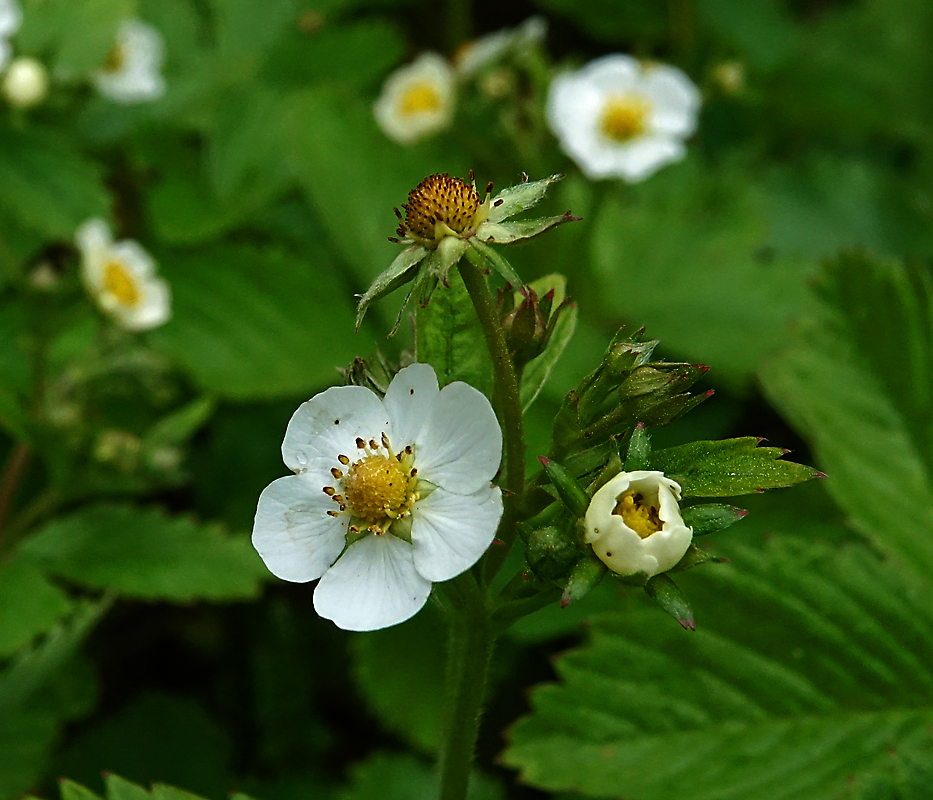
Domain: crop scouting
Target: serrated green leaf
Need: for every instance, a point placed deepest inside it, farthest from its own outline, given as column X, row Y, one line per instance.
column 728, row 467
column 250, row 324
column 388, row 663
column 147, row 554
column 710, row 517
column 121, row 789
column 29, row 605
column 858, row 383
column 75, row 791
column 47, row 185
column 809, row 664
column 450, row 339
column 699, row 235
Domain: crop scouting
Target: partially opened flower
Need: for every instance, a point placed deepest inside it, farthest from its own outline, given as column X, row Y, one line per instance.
column 11, row 17
column 121, row 278
column 444, row 217
column 131, row 72
column 417, row 100
column 389, row 495
column 634, row 524
column 619, row 118
column 25, row 83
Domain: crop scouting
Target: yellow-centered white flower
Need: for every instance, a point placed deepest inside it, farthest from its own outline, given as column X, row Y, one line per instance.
column 389, row 495
column 11, row 17
column 634, row 524
column 618, row 117
column 121, row 278
column 417, row 100
column 25, row 83
column 131, row 72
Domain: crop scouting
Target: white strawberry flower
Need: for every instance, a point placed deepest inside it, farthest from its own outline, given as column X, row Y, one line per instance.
column 11, row 17
column 617, row 117
column 121, row 278
column 488, row 50
column 25, row 83
column 389, row 495
column 417, row 100
column 635, row 526
column 131, row 73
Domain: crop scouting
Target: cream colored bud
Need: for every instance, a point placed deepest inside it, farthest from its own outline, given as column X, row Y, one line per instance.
column 26, row 83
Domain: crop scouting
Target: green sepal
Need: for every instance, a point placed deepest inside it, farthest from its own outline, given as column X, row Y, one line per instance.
column 399, row 272
column 639, row 449
column 694, row 557
column 587, row 572
column 508, row 232
column 729, row 467
column 612, row 467
column 483, row 256
column 666, row 594
column 520, row 197
column 571, row 493
column 710, row 517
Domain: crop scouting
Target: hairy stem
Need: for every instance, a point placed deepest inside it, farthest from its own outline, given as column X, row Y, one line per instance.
column 469, row 653
column 10, row 479
column 508, row 395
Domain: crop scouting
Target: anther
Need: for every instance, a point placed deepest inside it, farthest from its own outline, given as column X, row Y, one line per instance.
column 489, row 187
column 361, row 443
column 498, row 202
column 333, row 513
column 343, row 460
column 336, row 473
column 385, row 441
column 408, row 450
column 372, row 444
column 330, row 491
column 413, row 472
column 354, row 529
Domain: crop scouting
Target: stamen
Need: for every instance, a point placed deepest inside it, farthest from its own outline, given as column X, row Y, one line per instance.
column 361, row 443
column 336, row 473
column 330, row 491
column 343, row 460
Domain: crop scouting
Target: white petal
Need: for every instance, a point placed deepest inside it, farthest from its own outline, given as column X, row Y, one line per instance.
column 292, row 532
column 451, row 531
column 153, row 309
column 138, row 78
column 94, row 241
column 11, row 17
column 134, row 258
column 373, row 585
column 407, row 402
column 675, row 100
column 329, row 424
column 615, row 73
column 643, row 157
column 460, row 446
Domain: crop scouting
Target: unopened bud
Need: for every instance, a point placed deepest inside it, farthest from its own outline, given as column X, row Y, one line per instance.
column 26, row 83
column 551, row 552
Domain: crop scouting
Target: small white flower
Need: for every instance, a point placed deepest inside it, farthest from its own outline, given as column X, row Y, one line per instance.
column 25, row 83
column 618, row 118
column 417, row 100
column 389, row 495
column 121, row 277
column 11, row 17
column 131, row 72
column 487, row 50
column 634, row 524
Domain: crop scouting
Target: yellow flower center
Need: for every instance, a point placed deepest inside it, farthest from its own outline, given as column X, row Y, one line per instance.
column 624, row 117
column 420, row 98
column 376, row 488
column 115, row 59
column 440, row 206
column 640, row 516
column 119, row 283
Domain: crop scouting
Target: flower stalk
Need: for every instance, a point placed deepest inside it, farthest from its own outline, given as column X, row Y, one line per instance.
column 510, row 403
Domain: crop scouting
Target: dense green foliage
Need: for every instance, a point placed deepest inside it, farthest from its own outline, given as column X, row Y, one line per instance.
column 790, row 251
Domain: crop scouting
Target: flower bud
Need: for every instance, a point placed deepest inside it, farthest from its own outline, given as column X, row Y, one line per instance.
column 529, row 324
column 26, row 83
column 551, row 552
column 635, row 526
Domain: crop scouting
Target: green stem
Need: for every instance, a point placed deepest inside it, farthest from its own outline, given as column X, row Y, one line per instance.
column 12, row 476
column 469, row 653
column 508, row 392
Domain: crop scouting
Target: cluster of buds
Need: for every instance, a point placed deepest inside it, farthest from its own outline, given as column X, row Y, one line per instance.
column 529, row 320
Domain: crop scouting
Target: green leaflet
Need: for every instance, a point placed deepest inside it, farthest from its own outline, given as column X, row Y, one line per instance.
column 858, row 383
column 810, row 663
column 147, row 554
column 450, row 339
column 728, row 467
